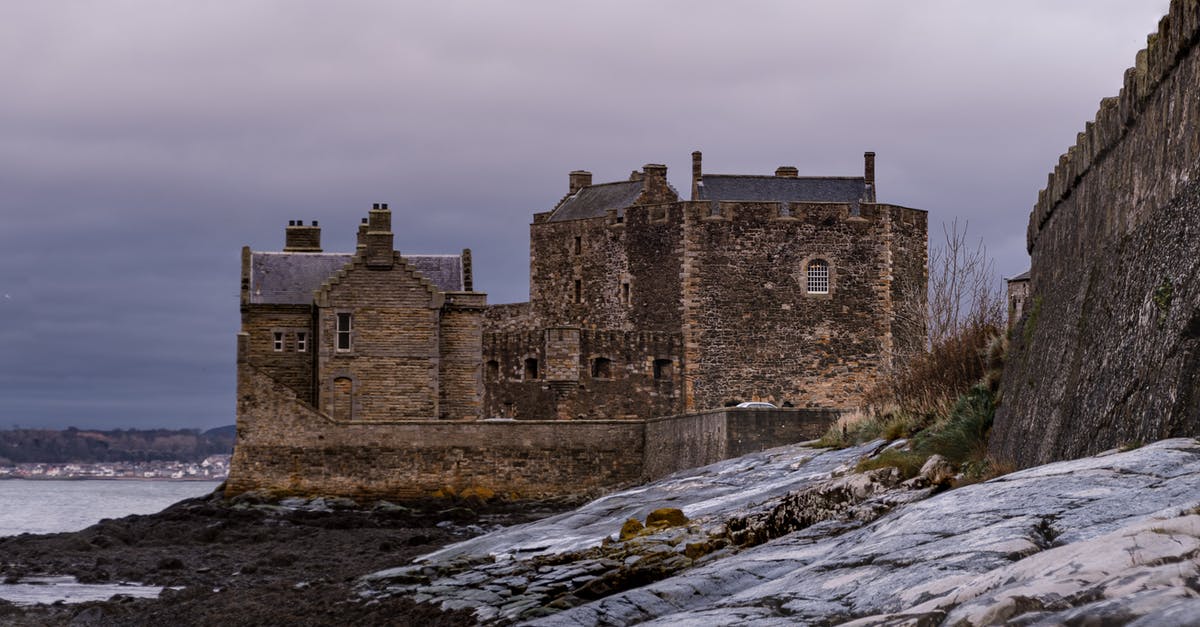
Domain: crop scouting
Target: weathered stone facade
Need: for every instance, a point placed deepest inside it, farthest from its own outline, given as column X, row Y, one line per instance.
column 642, row 304
column 373, row 374
column 1108, row 350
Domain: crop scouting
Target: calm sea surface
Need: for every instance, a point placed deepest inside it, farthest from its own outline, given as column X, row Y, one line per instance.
column 49, row 506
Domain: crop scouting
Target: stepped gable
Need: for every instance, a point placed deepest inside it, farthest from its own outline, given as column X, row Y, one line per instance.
column 732, row 187
column 594, row 201
column 291, row 278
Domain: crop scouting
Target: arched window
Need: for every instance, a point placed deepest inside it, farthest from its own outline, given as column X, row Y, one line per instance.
column 601, row 368
column 818, row 276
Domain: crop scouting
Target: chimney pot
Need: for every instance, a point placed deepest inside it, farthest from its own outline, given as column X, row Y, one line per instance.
column 299, row 238
column 383, row 205
column 375, row 206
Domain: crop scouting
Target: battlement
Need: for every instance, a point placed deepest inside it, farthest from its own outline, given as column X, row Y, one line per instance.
column 1177, row 36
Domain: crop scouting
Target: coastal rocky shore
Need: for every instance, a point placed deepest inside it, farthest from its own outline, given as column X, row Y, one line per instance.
column 250, row 561
column 796, row 536
column 793, row 535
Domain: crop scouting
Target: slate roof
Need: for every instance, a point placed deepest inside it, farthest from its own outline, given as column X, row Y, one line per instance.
column 594, row 201
column 291, row 278
column 1024, row 276
column 782, row 189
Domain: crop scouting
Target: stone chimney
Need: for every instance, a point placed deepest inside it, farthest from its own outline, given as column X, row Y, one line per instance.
column 467, row 271
column 302, row 239
column 787, row 171
column 379, row 252
column 869, row 175
column 697, row 174
column 579, row 180
column 361, row 241
column 654, row 185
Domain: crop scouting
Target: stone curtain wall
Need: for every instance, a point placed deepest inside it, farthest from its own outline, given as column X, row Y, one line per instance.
column 285, row 446
column 629, row 391
column 1108, row 349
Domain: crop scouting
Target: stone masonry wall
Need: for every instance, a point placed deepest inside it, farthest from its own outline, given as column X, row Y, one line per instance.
column 460, row 374
column 394, row 362
column 641, row 379
column 576, row 270
column 286, row 446
column 752, row 332
column 1108, row 349
column 291, row 367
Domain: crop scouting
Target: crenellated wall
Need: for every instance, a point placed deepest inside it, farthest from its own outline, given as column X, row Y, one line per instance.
column 1107, row 352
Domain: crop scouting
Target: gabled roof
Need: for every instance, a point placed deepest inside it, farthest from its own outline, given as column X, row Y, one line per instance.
column 594, row 201
column 291, row 278
column 783, row 189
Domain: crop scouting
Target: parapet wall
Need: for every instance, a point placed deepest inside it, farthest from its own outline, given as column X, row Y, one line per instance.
column 286, row 447
column 1107, row 352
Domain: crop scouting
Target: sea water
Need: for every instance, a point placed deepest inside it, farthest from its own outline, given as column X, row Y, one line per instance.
column 52, row 506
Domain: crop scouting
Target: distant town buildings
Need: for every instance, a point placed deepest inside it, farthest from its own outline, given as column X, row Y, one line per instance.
column 213, row 468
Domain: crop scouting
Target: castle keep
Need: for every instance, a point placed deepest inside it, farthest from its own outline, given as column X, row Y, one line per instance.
column 376, row 373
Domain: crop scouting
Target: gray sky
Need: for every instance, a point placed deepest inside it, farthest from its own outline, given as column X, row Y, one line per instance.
column 144, row 142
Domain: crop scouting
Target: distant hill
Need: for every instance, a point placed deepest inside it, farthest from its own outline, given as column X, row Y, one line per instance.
column 21, row 446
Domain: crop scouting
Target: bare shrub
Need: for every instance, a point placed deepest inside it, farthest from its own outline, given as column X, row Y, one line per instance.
column 962, row 314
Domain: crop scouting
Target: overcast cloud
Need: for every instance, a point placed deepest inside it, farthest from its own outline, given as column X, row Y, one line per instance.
column 142, row 143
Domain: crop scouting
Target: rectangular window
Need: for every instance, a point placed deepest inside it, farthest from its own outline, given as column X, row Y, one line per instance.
column 578, row 291
column 345, row 326
column 578, row 245
column 625, row 293
column 301, row 342
column 278, row 337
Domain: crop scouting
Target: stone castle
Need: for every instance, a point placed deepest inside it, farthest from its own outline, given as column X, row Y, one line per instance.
column 383, row 374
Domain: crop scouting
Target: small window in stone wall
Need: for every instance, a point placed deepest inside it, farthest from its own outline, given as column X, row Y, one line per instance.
column 531, row 369
column 602, row 368
column 578, row 245
column 301, row 342
column 493, row 370
column 277, row 337
column 625, row 293
column 345, row 328
column 578, row 291
column 818, row 276
column 663, row 369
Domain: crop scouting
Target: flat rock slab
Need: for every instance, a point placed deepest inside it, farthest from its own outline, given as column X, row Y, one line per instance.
column 1116, row 536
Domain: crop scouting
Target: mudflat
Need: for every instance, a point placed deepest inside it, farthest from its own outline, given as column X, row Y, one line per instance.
column 251, row 561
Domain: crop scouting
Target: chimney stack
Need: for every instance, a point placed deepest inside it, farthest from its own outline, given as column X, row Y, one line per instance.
column 379, row 252
column 654, row 185
column 361, row 236
column 579, row 180
column 697, row 173
column 302, row 239
column 787, row 171
column 869, row 175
